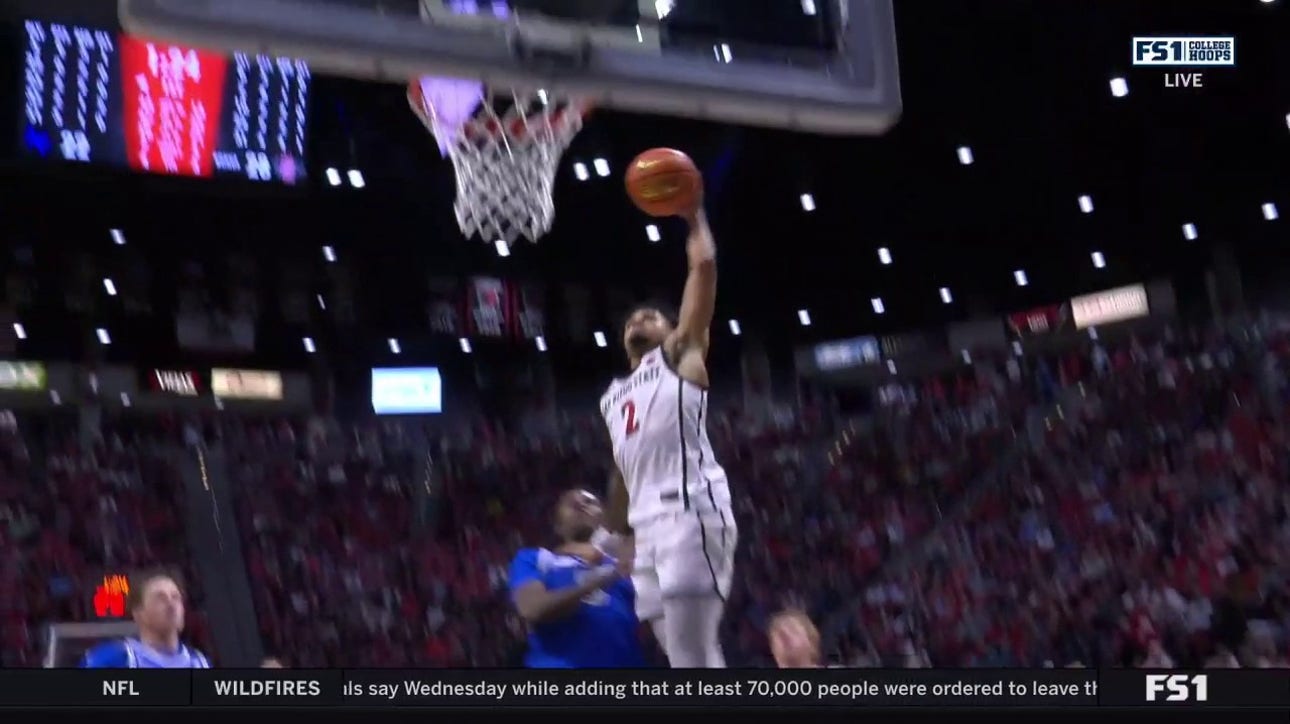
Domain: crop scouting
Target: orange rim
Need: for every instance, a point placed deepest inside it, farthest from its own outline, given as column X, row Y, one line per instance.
column 475, row 130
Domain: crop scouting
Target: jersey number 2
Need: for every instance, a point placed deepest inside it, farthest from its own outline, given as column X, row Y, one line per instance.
column 631, row 424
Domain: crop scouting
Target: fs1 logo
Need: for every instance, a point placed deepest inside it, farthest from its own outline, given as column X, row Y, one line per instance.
column 1178, row 687
column 1184, row 51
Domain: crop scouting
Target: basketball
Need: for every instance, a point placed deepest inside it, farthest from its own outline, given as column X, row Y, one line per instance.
column 664, row 182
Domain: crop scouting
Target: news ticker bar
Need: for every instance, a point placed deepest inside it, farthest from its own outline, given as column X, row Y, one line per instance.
column 519, row 688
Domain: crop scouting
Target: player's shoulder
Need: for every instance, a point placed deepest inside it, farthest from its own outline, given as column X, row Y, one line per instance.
column 527, row 554
column 539, row 558
column 113, row 654
column 607, row 397
column 530, row 564
column 615, row 382
column 544, row 559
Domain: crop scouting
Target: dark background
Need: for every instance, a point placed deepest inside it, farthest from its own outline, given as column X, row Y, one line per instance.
column 1024, row 84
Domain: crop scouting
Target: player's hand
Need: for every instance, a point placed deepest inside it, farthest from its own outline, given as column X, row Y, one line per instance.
column 589, row 553
column 599, row 578
column 612, row 571
column 623, row 564
column 611, row 544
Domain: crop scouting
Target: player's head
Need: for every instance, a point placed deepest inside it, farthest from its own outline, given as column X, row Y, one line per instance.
column 577, row 516
column 645, row 327
column 794, row 640
column 157, row 604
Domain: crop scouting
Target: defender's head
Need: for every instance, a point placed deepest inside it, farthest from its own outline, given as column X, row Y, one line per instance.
column 157, row 604
column 577, row 516
column 645, row 327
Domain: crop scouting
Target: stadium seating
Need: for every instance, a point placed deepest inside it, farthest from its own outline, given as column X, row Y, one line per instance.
column 1079, row 509
column 73, row 513
column 1145, row 527
column 1118, row 505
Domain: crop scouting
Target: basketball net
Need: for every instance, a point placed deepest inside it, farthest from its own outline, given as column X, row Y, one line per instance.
column 505, row 147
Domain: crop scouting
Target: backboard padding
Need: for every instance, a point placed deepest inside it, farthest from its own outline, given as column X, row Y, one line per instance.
column 860, row 96
column 644, row 38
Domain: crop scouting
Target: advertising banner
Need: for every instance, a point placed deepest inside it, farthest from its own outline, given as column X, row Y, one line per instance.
column 407, row 391
column 185, row 383
column 22, row 376
column 1040, row 321
column 246, row 384
column 846, row 353
column 488, row 306
column 1113, row 305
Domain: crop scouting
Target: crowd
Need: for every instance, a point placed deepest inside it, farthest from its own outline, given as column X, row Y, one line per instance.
column 360, row 553
column 1124, row 504
column 387, row 544
column 1146, row 524
column 72, row 513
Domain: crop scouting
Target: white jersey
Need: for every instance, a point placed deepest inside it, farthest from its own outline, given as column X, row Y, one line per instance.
column 658, row 424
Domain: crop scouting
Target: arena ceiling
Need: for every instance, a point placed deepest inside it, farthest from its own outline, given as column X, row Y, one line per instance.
column 1026, row 86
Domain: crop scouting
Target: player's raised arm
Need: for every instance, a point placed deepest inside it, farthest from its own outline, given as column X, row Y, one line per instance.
column 665, row 182
column 698, row 301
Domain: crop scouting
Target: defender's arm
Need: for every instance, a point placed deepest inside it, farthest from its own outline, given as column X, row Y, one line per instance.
column 537, row 605
column 617, row 539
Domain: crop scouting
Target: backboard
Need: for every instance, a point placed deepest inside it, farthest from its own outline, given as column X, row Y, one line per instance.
column 826, row 66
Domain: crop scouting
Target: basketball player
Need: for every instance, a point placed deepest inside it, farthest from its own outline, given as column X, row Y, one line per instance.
column 578, row 601
column 669, row 497
column 157, row 605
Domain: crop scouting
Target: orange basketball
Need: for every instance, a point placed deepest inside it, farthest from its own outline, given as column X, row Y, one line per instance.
column 665, row 182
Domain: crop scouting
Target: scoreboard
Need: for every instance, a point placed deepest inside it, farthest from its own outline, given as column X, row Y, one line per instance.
column 91, row 95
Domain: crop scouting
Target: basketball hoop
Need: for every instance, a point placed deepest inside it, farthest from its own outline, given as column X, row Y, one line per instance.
column 505, row 147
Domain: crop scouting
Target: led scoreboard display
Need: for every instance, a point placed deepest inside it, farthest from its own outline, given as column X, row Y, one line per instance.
column 98, row 96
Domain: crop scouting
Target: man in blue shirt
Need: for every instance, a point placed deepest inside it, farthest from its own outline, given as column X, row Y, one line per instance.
column 577, row 600
column 157, row 605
